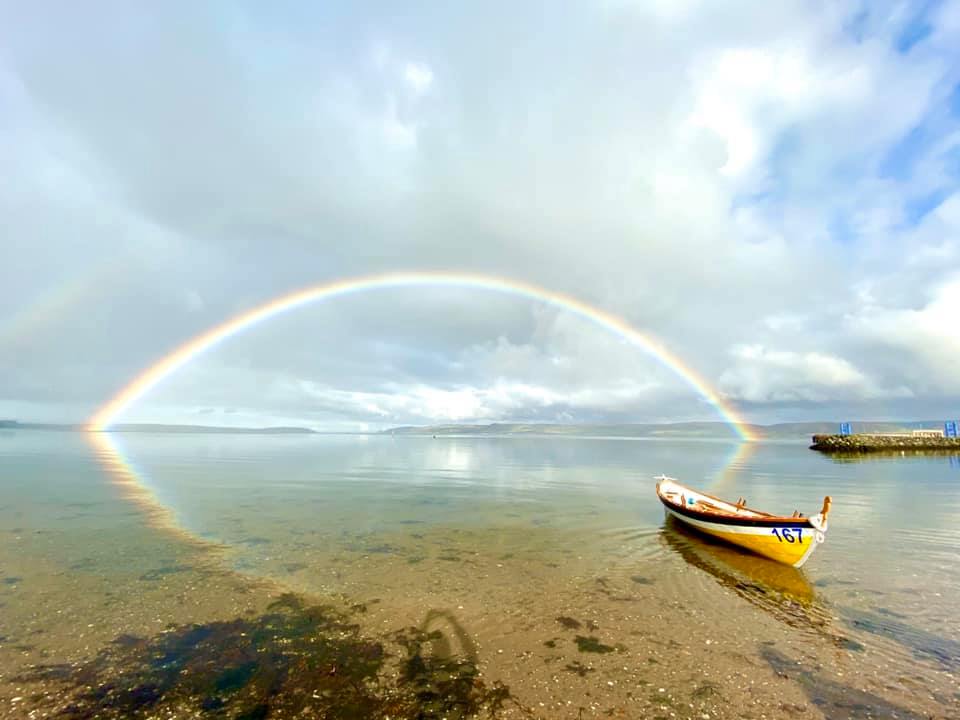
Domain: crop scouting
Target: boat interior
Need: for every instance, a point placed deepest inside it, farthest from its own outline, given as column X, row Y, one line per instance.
column 683, row 496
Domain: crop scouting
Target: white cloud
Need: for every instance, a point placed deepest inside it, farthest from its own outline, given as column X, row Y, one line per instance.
column 396, row 132
column 927, row 338
column 503, row 400
column 193, row 301
column 763, row 375
column 418, row 76
column 785, row 322
column 948, row 211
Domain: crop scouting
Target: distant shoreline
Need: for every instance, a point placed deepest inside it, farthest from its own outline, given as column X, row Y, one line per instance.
column 678, row 430
column 161, row 428
column 650, row 431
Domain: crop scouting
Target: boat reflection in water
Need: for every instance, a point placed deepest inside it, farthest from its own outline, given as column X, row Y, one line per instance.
column 780, row 590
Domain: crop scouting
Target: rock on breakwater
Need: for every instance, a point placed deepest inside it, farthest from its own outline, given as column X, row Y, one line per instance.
column 880, row 443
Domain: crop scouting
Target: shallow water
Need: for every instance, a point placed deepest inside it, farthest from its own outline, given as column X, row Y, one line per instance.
column 543, row 565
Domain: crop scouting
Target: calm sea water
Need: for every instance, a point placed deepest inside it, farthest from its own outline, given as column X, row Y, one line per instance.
column 547, row 561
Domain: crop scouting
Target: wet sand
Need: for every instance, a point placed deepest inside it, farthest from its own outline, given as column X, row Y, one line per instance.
column 508, row 622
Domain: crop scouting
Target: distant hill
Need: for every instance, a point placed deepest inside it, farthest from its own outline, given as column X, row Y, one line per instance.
column 159, row 428
column 693, row 429
column 14, row 425
column 718, row 430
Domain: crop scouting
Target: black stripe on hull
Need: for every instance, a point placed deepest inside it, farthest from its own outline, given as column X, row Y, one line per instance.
column 736, row 521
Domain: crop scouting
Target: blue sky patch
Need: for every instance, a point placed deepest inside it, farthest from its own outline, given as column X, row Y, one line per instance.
column 840, row 230
column 856, row 26
column 917, row 208
column 953, row 102
column 951, row 161
column 917, row 28
column 901, row 158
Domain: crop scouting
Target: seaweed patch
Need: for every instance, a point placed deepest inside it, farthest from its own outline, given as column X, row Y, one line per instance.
column 593, row 645
column 569, row 623
column 293, row 660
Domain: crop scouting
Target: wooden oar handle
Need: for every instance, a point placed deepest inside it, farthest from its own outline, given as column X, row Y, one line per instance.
column 827, row 501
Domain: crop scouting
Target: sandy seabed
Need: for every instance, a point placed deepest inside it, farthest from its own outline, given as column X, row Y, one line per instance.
column 435, row 622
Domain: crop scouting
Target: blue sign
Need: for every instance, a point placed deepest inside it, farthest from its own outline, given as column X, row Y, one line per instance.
column 845, row 429
column 950, row 428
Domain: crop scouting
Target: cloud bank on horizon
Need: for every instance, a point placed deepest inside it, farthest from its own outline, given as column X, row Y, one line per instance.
column 772, row 192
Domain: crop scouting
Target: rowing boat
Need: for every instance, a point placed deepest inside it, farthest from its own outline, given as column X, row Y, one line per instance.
column 787, row 539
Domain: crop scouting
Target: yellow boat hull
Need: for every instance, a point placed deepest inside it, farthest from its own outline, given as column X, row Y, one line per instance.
column 790, row 546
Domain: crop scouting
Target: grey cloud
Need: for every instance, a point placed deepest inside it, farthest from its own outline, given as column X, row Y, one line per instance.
column 175, row 165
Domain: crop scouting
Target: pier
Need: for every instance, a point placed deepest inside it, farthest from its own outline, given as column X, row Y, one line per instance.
column 863, row 443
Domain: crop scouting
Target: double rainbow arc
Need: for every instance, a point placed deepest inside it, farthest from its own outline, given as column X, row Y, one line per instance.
column 182, row 355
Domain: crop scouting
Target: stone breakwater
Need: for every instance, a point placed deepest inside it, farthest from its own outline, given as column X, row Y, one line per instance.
column 881, row 443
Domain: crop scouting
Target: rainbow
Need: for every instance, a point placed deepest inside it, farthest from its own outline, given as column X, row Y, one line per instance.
column 152, row 376
column 736, row 465
column 53, row 304
column 132, row 486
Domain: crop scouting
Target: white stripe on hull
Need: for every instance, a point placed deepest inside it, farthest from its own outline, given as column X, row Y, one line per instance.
column 720, row 527
column 723, row 529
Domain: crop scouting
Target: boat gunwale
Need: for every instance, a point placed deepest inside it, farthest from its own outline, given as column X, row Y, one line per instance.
column 727, row 518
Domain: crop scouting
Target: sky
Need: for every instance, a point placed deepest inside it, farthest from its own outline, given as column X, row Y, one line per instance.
column 769, row 190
